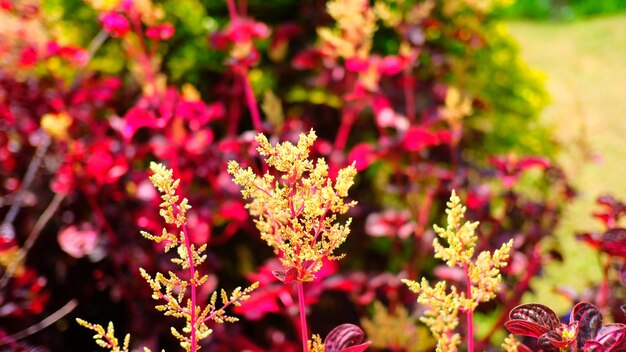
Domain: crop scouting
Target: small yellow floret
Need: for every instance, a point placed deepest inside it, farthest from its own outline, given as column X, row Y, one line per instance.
column 56, row 125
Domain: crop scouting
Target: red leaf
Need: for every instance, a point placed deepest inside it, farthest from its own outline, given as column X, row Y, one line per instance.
column 114, row 23
column 590, row 321
column 391, row 65
column 532, row 320
column 344, row 338
column 356, row 65
column 358, row 348
column 614, row 242
column 418, row 138
column 286, row 276
column 364, row 155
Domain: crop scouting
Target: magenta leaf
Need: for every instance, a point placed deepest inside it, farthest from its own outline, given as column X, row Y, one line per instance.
column 358, row 348
column 532, row 320
column 614, row 242
column 286, row 276
column 612, row 210
column 345, row 338
column 529, row 162
column 610, row 338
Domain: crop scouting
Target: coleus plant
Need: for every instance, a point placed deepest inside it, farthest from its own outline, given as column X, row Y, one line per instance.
column 613, row 240
column 584, row 332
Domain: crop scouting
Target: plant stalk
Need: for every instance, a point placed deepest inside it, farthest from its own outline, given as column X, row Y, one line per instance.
column 347, row 120
column 469, row 312
column 192, row 281
column 303, row 326
column 253, row 106
column 242, row 70
column 30, row 241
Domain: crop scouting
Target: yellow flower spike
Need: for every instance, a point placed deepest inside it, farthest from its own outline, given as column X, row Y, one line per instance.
column 297, row 213
column 482, row 278
column 352, row 36
column 316, row 344
column 177, row 296
column 56, row 125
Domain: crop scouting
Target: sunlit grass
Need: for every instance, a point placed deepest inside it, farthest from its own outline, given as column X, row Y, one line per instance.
column 585, row 64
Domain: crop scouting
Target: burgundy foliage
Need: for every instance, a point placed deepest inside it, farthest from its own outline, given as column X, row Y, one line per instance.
column 584, row 332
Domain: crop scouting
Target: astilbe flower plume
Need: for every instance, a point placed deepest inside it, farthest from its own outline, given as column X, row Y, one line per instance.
column 296, row 214
column 482, row 279
column 172, row 289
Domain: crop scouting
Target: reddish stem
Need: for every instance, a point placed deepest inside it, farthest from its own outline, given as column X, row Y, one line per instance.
column 347, row 120
column 145, row 57
column 232, row 9
column 243, row 7
column 604, row 285
column 192, row 280
column 409, row 94
column 303, row 326
column 469, row 312
column 253, row 106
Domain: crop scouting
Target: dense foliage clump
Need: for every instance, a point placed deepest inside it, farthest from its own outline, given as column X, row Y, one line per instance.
column 409, row 100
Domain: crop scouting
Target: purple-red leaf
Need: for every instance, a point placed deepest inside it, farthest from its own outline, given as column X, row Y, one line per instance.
column 590, row 320
column 345, row 338
column 550, row 342
column 532, row 320
column 289, row 276
column 523, row 348
column 611, row 338
column 614, row 242
column 525, row 328
column 358, row 348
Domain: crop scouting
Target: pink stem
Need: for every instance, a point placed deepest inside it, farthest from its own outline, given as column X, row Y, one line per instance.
column 192, row 280
column 145, row 57
column 243, row 71
column 347, row 119
column 303, row 327
column 409, row 94
column 243, row 7
column 469, row 312
column 604, row 285
column 251, row 100
column 232, row 10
